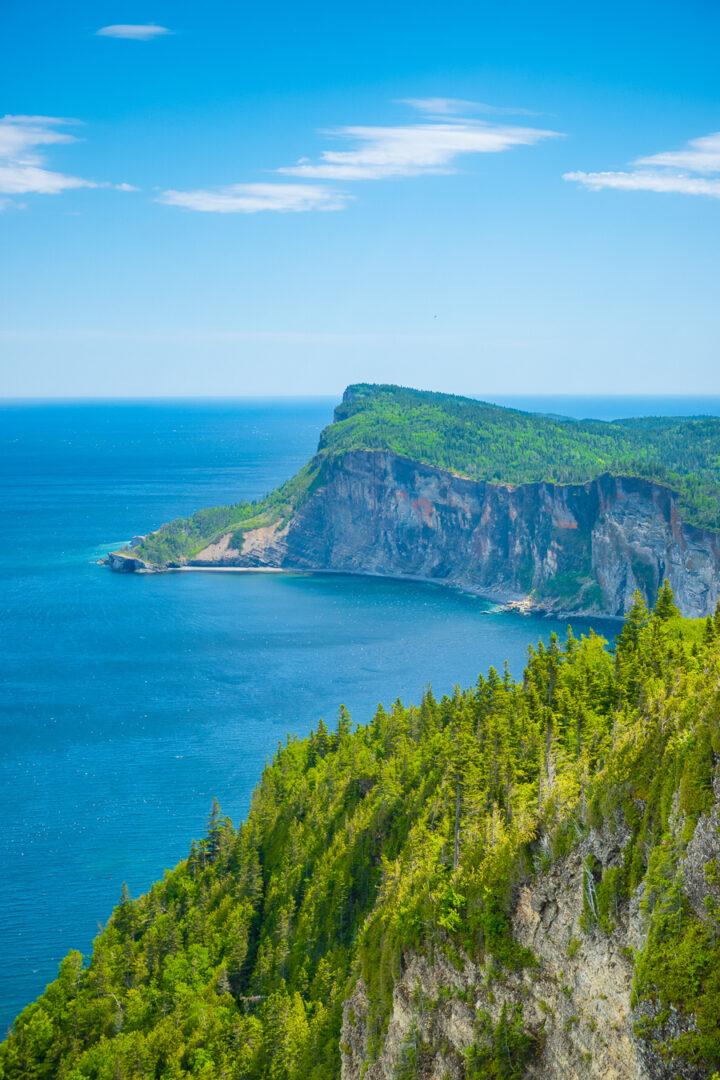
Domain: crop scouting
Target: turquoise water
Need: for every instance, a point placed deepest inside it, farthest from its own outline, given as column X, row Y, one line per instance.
column 128, row 702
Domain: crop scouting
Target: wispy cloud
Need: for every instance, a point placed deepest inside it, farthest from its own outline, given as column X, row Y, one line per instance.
column 647, row 181
column 21, row 135
column 252, row 198
column 694, row 170
column 430, row 146
column 443, row 106
column 133, row 31
column 700, row 155
column 30, row 179
column 412, row 149
column 23, row 140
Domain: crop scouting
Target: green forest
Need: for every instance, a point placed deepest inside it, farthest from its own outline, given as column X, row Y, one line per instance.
column 483, row 442
column 367, row 843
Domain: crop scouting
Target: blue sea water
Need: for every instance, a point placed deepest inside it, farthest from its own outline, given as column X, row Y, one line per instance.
column 128, row 702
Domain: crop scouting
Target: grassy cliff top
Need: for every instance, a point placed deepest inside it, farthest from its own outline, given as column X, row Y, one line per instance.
column 483, row 442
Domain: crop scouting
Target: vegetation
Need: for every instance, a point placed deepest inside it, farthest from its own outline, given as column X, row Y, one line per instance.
column 486, row 442
column 185, row 537
column 408, row 834
column 483, row 442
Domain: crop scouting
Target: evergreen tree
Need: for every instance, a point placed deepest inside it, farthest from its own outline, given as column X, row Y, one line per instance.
column 343, row 727
column 322, row 739
column 665, row 606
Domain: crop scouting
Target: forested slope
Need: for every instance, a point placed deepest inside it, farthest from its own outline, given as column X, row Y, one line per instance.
column 487, row 442
column 407, row 837
column 483, row 442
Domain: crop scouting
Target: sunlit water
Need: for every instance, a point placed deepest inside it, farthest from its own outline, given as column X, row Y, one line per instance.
column 129, row 701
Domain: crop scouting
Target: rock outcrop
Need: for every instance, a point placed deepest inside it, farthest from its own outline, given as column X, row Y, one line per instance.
column 578, row 1002
column 126, row 564
column 570, row 547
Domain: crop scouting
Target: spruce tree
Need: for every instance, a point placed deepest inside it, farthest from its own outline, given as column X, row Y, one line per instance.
column 665, row 606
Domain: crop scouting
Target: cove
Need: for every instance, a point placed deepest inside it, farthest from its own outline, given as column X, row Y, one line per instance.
column 130, row 701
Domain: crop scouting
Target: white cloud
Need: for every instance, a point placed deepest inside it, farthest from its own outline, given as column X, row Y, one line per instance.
column 413, row 149
column 442, row 106
column 23, row 141
column 701, row 155
column 133, row 32
column 647, row 181
column 251, row 198
column 376, row 152
column 125, row 187
column 19, row 135
column 670, row 171
column 25, row 179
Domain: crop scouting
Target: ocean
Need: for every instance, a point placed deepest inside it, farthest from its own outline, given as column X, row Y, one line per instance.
column 128, row 702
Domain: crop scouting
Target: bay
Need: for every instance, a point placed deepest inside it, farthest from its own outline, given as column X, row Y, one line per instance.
column 128, row 702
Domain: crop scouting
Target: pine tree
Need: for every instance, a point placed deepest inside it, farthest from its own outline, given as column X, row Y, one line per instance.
column 665, row 606
column 322, row 739
column 214, row 831
column 343, row 726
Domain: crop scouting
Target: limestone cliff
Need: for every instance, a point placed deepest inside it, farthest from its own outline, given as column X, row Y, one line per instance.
column 568, row 547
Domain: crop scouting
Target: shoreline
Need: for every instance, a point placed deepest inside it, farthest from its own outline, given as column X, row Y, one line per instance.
column 504, row 602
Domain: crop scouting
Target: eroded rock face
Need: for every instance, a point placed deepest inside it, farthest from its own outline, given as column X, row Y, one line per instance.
column 578, row 1001
column 574, row 547
column 125, row 564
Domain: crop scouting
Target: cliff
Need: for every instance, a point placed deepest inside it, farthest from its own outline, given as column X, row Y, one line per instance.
column 562, row 515
column 567, row 546
column 579, row 1009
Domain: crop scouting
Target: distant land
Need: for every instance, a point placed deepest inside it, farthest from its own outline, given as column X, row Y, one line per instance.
column 523, row 508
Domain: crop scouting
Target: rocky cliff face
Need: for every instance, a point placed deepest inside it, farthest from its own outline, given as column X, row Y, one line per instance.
column 578, row 1002
column 568, row 547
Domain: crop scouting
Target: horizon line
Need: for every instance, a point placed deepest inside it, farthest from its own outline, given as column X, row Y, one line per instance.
column 82, row 398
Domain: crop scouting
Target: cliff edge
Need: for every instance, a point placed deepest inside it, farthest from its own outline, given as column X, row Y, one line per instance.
column 566, row 546
column 377, row 499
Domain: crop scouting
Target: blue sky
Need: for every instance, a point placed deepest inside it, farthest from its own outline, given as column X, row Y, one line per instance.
column 281, row 199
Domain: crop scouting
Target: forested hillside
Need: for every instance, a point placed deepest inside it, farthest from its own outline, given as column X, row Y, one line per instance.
column 487, row 442
column 410, row 835
column 483, row 442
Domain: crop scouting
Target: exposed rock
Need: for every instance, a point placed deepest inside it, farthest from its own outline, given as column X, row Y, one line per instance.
column 700, row 867
column 578, row 1001
column 126, row 564
column 260, row 547
column 221, row 553
column 568, row 547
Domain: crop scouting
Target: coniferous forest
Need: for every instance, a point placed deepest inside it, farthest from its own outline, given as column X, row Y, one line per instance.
column 411, row 834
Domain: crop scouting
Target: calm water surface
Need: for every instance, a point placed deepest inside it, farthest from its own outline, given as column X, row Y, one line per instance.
column 129, row 701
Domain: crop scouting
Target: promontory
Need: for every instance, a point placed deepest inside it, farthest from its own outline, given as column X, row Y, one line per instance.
column 518, row 507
